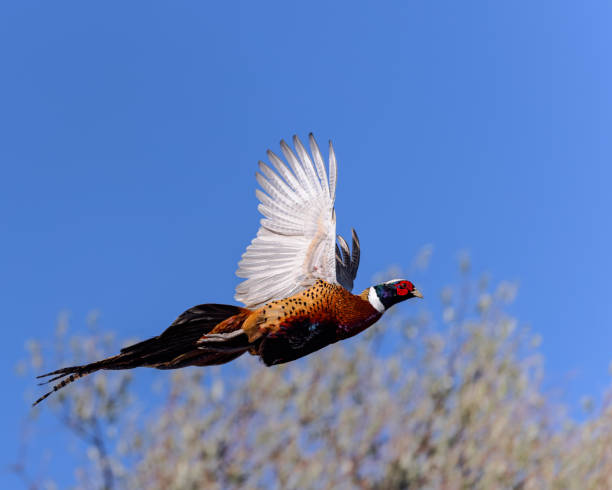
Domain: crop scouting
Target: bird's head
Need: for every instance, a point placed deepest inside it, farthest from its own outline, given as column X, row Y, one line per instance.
column 383, row 296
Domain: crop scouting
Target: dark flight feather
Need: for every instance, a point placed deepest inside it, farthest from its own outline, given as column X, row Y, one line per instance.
column 347, row 261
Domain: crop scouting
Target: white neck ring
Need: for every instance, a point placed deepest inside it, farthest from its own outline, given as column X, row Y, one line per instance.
column 375, row 300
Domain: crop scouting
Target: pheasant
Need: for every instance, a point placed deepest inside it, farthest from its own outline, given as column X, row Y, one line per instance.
column 298, row 278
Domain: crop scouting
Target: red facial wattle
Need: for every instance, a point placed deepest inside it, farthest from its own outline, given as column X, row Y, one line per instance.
column 403, row 288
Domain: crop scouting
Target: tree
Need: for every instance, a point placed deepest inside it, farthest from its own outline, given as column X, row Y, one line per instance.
column 413, row 403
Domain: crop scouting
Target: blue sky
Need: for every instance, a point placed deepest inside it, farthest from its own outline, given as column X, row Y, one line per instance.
column 130, row 134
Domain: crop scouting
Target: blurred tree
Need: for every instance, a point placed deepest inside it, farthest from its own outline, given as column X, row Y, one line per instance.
column 412, row 403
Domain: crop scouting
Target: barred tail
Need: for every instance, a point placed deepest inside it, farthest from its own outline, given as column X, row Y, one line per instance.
column 67, row 380
column 71, row 373
column 184, row 343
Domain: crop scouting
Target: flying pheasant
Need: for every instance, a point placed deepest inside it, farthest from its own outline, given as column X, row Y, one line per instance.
column 296, row 290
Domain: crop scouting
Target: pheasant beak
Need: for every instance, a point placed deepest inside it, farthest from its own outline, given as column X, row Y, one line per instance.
column 417, row 293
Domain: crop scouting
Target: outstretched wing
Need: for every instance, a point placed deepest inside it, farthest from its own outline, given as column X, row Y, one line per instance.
column 295, row 244
column 347, row 262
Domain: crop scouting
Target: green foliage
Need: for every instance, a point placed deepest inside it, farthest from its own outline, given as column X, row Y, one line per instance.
column 454, row 404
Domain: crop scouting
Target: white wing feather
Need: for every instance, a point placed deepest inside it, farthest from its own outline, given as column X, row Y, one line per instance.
column 295, row 244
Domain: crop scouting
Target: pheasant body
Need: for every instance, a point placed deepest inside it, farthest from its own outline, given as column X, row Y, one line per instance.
column 287, row 329
column 297, row 280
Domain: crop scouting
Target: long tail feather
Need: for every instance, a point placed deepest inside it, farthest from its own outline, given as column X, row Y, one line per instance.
column 51, row 380
column 61, row 384
column 183, row 343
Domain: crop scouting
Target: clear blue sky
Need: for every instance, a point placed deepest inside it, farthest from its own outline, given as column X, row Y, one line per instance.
column 130, row 133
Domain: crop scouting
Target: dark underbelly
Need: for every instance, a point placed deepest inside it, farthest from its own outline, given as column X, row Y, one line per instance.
column 295, row 340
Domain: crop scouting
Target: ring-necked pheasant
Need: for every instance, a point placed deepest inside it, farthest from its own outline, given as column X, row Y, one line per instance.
column 296, row 289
